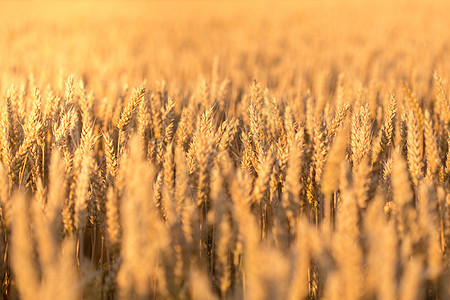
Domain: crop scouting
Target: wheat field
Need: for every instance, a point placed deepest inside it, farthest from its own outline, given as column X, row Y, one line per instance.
column 225, row 150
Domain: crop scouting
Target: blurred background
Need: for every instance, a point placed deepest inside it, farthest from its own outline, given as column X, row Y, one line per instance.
column 282, row 44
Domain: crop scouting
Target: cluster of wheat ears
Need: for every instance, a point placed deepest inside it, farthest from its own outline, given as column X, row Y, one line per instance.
column 325, row 177
column 272, row 202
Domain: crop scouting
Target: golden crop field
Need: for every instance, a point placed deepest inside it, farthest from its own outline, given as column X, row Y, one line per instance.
column 225, row 150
